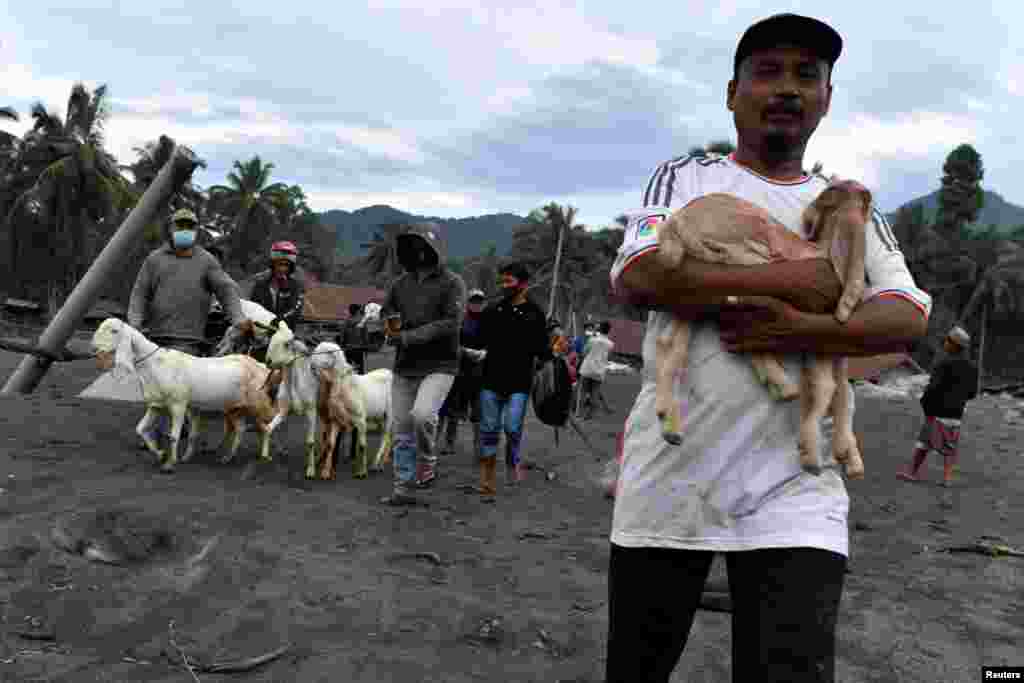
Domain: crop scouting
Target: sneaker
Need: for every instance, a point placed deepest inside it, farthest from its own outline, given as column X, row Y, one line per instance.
column 426, row 473
column 399, row 498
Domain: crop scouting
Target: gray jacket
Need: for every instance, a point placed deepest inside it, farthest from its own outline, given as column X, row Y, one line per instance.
column 432, row 305
column 171, row 296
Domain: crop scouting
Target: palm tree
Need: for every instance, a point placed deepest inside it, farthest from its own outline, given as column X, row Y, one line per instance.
column 151, row 157
column 8, row 142
column 76, row 184
column 249, row 204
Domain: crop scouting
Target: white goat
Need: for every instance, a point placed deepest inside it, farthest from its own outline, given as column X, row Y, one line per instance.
column 300, row 388
column 349, row 401
column 174, row 383
column 234, row 340
column 721, row 228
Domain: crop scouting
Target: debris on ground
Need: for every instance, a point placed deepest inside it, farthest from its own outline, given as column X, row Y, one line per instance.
column 985, row 548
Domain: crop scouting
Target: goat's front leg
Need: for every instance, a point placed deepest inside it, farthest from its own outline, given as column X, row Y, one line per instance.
column 329, row 435
column 177, row 422
column 819, row 386
column 844, row 442
column 359, row 465
column 310, row 443
column 671, row 350
column 194, row 439
column 772, row 374
column 142, row 429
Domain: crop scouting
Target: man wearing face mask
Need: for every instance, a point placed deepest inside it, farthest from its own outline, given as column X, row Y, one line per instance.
column 170, row 301
column 514, row 337
column 428, row 300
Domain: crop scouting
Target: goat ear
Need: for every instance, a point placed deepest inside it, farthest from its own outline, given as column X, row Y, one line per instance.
column 124, row 359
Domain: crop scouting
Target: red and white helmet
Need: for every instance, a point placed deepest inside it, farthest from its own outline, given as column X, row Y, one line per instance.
column 283, row 251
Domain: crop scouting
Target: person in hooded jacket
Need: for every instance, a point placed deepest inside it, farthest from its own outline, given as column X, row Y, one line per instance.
column 429, row 301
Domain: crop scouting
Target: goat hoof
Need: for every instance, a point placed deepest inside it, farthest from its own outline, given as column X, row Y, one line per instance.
column 673, row 438
column 167, row 468
column 814, row 469
column 266, row 461
column 310, row 474
column 360, row 475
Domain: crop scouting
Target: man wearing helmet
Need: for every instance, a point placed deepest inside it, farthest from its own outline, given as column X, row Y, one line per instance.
column 280, row 290
column 170, row 301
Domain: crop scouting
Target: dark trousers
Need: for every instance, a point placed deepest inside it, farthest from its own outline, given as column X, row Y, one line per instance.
column 784, row 601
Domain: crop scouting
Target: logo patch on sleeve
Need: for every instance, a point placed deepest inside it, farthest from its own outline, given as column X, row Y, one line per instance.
column 647, row 226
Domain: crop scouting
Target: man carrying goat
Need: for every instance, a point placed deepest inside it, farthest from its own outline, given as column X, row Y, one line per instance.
column 734, row 485
column 427, row 302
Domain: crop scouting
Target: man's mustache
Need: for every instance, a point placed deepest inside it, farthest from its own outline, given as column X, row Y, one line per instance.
column 788, row 107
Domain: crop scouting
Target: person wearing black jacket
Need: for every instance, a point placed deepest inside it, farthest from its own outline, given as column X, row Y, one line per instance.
column 280, row 290
column 953, row 383
column 352, row 339
column 514, row 337
column 428, row 301
column 463, row 399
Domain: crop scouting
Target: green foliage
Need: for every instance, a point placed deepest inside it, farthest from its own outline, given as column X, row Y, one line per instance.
column 961, row 196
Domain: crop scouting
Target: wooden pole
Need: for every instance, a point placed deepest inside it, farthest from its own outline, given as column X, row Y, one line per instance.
column 558, row 260
column 175, row 173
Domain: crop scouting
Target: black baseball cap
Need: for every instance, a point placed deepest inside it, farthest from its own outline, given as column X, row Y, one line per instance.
column 793, row 29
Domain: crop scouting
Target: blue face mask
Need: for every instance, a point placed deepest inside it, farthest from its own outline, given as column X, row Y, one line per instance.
column 184, row 239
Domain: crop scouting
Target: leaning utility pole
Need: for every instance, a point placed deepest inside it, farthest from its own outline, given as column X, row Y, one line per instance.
column 175, row 173
column 554, row 278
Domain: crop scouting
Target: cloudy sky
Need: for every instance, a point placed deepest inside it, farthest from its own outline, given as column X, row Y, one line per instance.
column 458, row 108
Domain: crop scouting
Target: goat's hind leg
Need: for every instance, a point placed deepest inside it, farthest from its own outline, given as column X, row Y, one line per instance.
column 845, row 449
column 142, row 429
column 177, row 422
column 194, row 438
column 232, row 436
column 671, row 351
column 819, row 387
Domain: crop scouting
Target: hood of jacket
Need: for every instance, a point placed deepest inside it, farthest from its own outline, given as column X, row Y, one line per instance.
column 431, row 233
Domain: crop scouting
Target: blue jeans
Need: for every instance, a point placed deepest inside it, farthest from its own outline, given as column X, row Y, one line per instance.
column 502, row 413
column 415, row 402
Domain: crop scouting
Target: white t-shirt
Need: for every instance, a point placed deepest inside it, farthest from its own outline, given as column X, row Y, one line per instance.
column 735, row 483
column 595, row 364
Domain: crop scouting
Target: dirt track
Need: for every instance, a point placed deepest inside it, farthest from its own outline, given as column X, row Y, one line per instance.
column 326, row 568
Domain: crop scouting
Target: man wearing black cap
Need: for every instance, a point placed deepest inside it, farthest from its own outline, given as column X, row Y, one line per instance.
column 735, row 486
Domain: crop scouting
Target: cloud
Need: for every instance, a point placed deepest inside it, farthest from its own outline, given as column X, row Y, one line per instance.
column 477, row 106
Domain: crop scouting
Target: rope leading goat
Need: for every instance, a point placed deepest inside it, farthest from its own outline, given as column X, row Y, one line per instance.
column 721, row 228
column 175, row 383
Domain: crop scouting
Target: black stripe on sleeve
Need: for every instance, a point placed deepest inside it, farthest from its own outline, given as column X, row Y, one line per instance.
column 672, row 178
column 654, row 182
column 883, row 231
